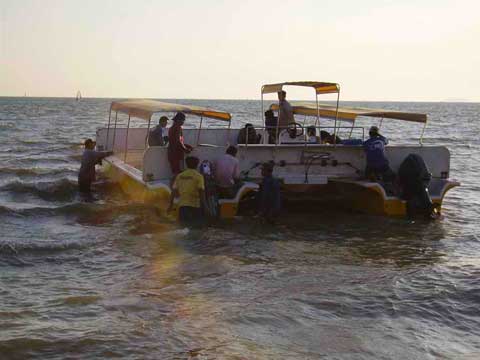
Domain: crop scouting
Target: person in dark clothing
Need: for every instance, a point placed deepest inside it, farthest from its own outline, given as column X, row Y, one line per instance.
column 270, row 200
column 271, row 123
column 176, row 146
column 377, row 163
column 311, row 135
column 90, row 158
column 248, row 135
column 158, row 136
column 327, row 138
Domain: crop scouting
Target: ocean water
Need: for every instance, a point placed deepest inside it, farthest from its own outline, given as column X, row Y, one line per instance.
column 107, row 279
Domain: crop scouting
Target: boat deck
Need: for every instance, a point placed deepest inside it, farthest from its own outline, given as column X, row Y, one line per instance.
column 134, row 158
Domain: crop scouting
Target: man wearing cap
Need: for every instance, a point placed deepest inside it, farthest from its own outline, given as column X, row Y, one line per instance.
column 269, row 201
column 176, row 146
column 285, row 111
column 90, row 158
column 377, row 162
column 159, row 135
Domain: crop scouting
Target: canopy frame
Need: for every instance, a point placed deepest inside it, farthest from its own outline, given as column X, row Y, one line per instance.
column 144, row 109
column 319, row 88
column 351, row 113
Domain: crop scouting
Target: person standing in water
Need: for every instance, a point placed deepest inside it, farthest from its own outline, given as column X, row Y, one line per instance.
column 270, row 198
column 189, row 187
column 227, row 173
column 176, row 146
column 90, row 158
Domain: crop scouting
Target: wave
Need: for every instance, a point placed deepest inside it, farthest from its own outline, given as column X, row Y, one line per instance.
column 59, row 190
column 34, row 171
column 76, row 208
column 72, row 209
column 13, row 249
column 79, row 208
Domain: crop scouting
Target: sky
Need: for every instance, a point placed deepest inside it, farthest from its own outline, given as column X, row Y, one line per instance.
column 409, row 50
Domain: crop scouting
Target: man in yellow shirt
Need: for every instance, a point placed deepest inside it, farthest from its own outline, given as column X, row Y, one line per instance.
column 189, row 187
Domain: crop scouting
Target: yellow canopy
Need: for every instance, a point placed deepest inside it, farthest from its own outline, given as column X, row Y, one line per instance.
column 351, row 113
column 320, row 87
column 145, row 108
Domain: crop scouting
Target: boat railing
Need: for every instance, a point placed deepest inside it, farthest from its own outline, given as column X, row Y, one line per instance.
column 274, row 132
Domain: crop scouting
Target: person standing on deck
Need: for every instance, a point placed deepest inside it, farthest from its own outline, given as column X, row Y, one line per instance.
column 189, row 187
column 176, row 146
column 377, row 162
column 159, row 135
column 285, row 111
column 90, row 158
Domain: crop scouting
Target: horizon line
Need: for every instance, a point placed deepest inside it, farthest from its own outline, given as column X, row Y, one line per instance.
column 236, row 99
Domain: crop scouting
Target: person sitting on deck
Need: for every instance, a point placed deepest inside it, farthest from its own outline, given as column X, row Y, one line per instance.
column 327, row 138
column 176, row 146
column 90, row 158
column 271, row 122
column 158, row 136
column 377, row 162
column 312, row 135
column 291, row 135
column 269, row 197
column 227, row 173
column 189, row 187
column 248, row 135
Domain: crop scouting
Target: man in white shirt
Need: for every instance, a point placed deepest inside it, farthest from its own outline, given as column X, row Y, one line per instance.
column 227, row 173
column 291, row 135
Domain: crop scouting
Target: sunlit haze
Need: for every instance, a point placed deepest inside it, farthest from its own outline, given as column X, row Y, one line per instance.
column 377, row 50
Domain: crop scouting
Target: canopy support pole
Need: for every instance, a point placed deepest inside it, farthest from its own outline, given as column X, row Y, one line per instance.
column 114, row 131
column 108, row 128
column 263, row 113
column 148, row 131
column 126, row 140
column 318, row 110
column 199, row 129
column 228, row 132
column 336, row 117
column 351, row 131
column 423, row 132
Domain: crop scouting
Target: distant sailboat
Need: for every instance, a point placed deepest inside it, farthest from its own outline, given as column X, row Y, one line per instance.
column 79, row 96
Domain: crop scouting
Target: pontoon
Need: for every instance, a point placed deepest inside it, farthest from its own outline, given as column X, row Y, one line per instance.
column 310, row 172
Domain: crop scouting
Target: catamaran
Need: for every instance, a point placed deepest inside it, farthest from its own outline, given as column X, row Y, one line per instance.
column 310, row 172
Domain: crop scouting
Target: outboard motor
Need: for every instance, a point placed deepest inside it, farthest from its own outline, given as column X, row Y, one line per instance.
column 414, row 178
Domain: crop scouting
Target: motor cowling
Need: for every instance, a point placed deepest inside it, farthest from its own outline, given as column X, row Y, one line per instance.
column 414, row 178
